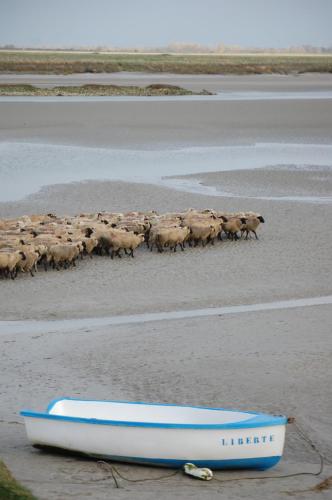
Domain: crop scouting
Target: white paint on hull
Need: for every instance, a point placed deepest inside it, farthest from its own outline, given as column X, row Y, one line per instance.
column 166, row 444
column 157, row 433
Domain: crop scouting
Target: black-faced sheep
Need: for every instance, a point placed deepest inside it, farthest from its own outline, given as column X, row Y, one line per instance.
column 9, row 259
column 232, row 226
column 251, row 225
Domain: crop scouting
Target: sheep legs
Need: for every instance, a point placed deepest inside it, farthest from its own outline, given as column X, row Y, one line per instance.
column 248, row 234
column 116, row 252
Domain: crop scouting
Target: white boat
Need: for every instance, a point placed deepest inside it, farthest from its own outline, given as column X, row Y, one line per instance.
column 159, row 434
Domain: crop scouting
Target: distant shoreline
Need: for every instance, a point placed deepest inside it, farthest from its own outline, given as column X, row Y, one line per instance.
column 168, row 52
column 69, row 62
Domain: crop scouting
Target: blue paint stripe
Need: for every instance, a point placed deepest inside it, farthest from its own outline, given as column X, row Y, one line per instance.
column 251, row 423
column 261, row 463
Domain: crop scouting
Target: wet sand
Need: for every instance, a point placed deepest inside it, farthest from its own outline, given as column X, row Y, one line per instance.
column 254, row 360
column 285, row 263
column 280, row 180
column 150, row 124
column 276, row 361
column 309, row 184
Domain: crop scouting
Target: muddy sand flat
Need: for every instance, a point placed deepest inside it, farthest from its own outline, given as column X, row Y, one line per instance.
column 258, row 360
column 277, row 361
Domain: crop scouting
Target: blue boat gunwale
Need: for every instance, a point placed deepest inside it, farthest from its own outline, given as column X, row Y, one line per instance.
column 258, row 420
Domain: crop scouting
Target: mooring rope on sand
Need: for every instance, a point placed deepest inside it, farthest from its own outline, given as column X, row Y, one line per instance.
column 114, row 472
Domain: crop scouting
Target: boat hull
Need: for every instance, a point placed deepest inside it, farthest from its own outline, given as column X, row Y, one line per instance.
column 246, row 447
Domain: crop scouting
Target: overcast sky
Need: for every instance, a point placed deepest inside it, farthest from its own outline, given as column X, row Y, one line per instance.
column 152, row 23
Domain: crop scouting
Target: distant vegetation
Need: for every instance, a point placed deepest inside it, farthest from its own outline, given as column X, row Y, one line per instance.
column 10, row 489
column 158, row 89
column 181, row 48
column 66, row 62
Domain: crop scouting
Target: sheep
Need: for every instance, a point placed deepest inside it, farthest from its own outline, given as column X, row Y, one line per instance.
column 216, row 232
column 79, row 245
column 89, row 245
column 251, row 224
column 206, row 217
column 126, row 241
column 9, row 260
column 152, row 235
column 105, row 238
column 42, row 250
column 232, row 226
column 48, row 239
column 172, row 237
column 29, row 264
column 154, row 231
column 63, row 255
column 136, row 226
column 201, row 232
column 9, row 240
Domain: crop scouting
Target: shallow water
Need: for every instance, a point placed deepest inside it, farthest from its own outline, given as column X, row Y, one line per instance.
column 220, row 96
column 26, row 167
column 53, row 326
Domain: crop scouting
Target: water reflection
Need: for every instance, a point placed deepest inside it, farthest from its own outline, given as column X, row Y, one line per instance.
column 26, row 167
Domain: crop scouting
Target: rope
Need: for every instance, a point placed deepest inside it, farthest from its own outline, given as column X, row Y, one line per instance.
column 115, row 472
column 114, row 478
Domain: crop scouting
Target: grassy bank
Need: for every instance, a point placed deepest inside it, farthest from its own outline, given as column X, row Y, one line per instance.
column 93, row 62
column 96, row 90
column 10, row 489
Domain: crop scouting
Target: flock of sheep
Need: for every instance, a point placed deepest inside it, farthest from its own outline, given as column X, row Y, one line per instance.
column 50, row 241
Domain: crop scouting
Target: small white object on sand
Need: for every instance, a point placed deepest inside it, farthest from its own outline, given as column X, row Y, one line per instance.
column 200, row 473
